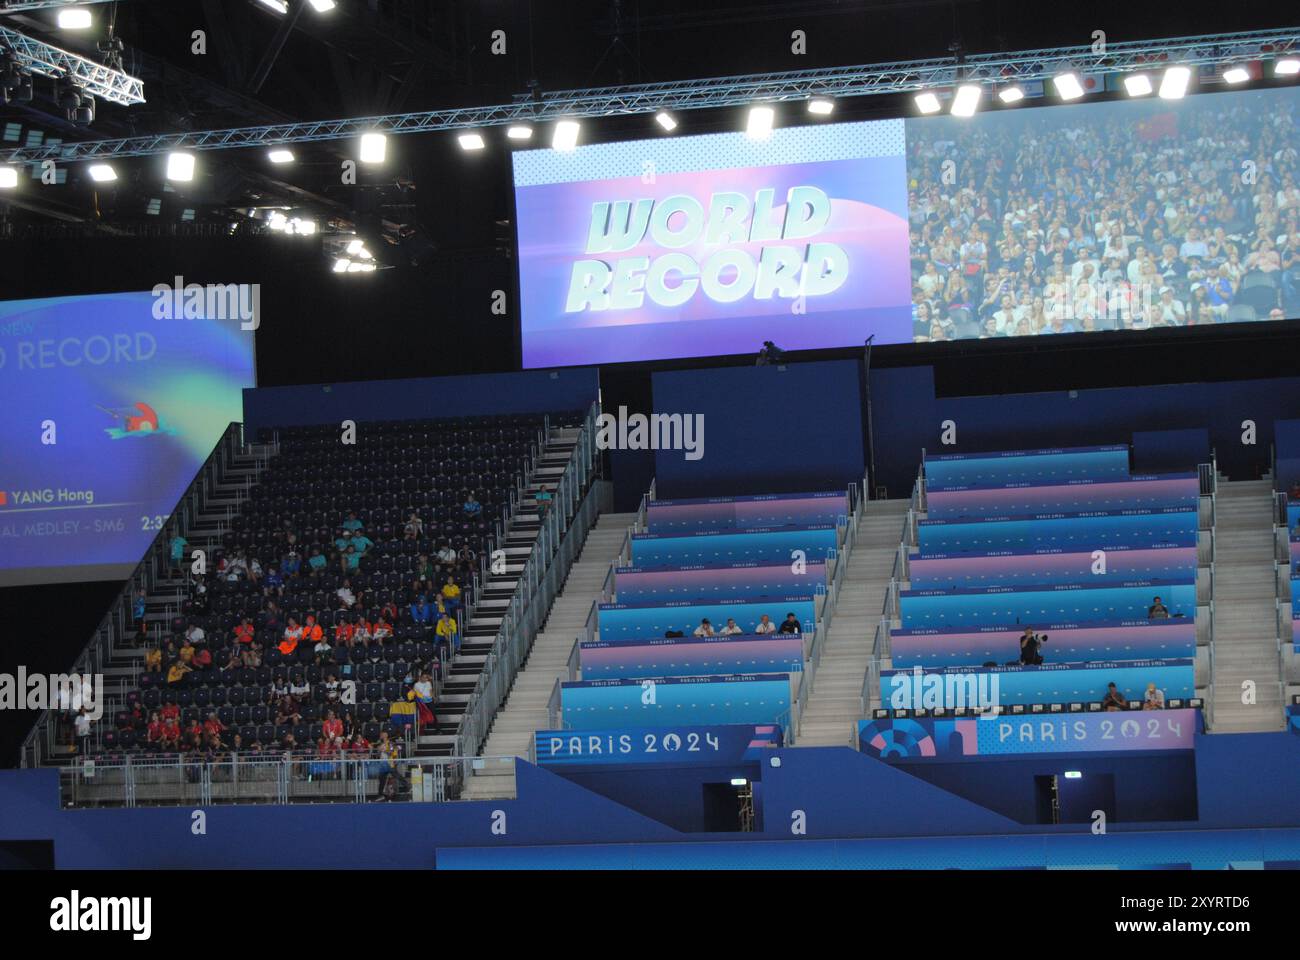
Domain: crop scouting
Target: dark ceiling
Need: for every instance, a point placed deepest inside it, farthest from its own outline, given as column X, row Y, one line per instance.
column 370, row 57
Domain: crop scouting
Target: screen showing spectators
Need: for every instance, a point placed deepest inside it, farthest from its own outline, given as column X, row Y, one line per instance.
column 1124, row 215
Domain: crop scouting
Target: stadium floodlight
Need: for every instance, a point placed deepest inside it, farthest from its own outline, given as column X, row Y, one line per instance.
column 374, row 147
column 277, row 221
column 74, row 18
column 180, row 167
column 1068, row 86
column 927, row 102
column 1286, row 67
column 355, row 267
column 1011, row 95
column 1173, row 85
column 102, row 173
column 1236, row 75
column 966, row 100
column 341, row 265
column 739, row 782
column 1137, row 85
column 470, row 141
column 279, row 6
column 821, row 106
column 280, row 156
column 666, row 120
column 1073, row 775
column 565, row 135
column 519, row 131
column 8, row 178
column 758, row 124
column 355, row 247
column 323, row 6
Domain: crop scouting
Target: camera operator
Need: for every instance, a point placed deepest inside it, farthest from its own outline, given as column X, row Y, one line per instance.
column 1029, row 645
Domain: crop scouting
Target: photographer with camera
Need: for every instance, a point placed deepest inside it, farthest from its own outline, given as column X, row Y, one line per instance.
column 1029, row 646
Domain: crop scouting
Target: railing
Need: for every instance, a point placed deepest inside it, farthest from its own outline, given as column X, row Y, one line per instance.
column 98, row 654
column 821, row 629
column 273, row 778
column 573, row 510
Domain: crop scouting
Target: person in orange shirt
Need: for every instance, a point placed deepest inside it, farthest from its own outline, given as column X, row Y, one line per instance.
column 343, row 632
column 292, row 634
column 312, row 633
column 244, row 632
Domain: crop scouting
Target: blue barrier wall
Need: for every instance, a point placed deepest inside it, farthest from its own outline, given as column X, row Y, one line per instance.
column 798, row 447
column 532, row 391
column 907, row 415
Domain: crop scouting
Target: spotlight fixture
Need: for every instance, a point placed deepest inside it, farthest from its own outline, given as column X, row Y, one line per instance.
column 565, row 135
column 1137, row 85
column 470, row 141
column 74, row 18
column 927, row 102
column 322, row 6
column 341, row 265
column 374, row 147
column 1011, row 94
column 665, row 120
column 519, row 131
column 355, row 267
column 280, row 156
column 279, row 6
column 967, row 100
column 821, row 106
column 1287, row 67
column 8, row 178
column 180, row 167
column 1236, row 75
column 102, row 173
column 758, row 125
column 1174, row 83
column 355, row 247
column 1068, row 86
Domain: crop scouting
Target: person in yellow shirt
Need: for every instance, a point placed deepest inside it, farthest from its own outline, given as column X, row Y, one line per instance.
column 447, row 633
column 176, row 672
column 153, row 660
column 451, row 594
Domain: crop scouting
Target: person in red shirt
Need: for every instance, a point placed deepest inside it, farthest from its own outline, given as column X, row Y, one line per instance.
column 332, row 727
column 155, row 729
column 170, row 711
column 194, row 729
column 244, row 632
column 213, row 726
column 171, row 734
column 343, row 632
column 203, row 658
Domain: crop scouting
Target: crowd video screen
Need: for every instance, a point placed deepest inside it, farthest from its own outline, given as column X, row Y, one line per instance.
column 1122, row 215
column 109, row 414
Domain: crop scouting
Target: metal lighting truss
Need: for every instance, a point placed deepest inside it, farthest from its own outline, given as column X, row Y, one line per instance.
column 857, row 81
column 24, row 6
column 105, row 83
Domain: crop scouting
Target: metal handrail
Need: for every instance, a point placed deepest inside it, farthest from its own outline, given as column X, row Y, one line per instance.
column 564, row 528
column 99, row 651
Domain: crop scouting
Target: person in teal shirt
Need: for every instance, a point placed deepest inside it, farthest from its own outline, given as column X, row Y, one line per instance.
column 351, row 560
column 361, row 541
column 352, row 523
column 317, row 561
column 342, row 541
column 178, row 545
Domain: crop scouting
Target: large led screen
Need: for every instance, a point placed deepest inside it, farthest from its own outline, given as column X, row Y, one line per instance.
column 1116, row 215
column 109, row 413
column 707, row 245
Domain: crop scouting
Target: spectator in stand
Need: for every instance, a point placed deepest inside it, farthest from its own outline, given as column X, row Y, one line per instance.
column 244, row 632
column 154, row 732
column 202, row 658
column 1155, row 698
column 445, row 553
column 171, row 734
column 451, row 593
column 186, row 653
column 1157, row 610
column 544, row 499
column 764, row 625
column 414, row 528
column 316, row 562
column 332, row 727
column 352, row 523
column 177, row 546
column 322, row 651
column 1114, row 700
column 1029, row 646
column 342, row 538
column 790, row 624
column 731, row 629
column 195, row 634
column 422, row 693
column 292, row 635
column 382, row 630
column 472, row 509
column 287, row 711
column 447, row 633
column 705, row 629
column 350, row 560
column 421, row 611
column 153, row 660
column 360, row 542
column 138, row 608
column 213, row 726
column 290, row 564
